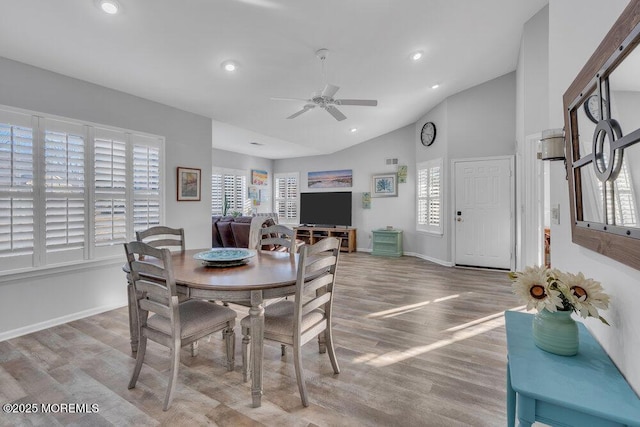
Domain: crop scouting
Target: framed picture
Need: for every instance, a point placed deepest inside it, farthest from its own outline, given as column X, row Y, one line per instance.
column 366, row 200
column 259, row 177
column 330, row 179
column 189, row 184
column 402, row 174
column 384, row 185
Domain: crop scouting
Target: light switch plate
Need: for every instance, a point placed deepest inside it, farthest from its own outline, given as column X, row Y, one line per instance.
column 555, row 214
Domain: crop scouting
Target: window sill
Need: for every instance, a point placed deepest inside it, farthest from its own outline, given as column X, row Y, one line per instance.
column 76, row 266
column 431, row 233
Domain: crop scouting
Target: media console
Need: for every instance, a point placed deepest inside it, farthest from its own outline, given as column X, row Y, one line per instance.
column 311, row 235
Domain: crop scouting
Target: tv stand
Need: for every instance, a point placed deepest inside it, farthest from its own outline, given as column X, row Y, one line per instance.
column 313, row 234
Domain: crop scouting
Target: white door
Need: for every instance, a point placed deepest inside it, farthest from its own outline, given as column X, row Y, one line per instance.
column 483, row 213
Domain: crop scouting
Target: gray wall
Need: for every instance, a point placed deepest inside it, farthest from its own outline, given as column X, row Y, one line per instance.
column 30, row 303
column 366, row 159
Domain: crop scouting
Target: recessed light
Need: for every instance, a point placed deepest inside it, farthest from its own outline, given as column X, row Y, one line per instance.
column 109, row 6
column 352, row 130
column 229, row 66
column 435, row 86
column 255, row 143
column 416, row 55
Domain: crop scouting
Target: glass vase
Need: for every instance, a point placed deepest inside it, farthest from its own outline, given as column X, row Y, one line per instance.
column 556, row 332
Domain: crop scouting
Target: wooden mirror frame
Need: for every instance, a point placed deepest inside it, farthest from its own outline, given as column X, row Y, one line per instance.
column 616, row 242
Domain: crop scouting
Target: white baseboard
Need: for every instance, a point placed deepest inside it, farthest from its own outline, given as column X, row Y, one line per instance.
column 59, row 321
column 424, row 257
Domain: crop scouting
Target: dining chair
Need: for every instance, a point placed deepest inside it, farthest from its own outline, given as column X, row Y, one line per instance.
column 162, row 237
column 297, row 322
column 173, row 324
column 279, row 237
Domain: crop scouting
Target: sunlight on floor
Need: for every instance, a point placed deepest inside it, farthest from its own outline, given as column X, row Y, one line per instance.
column 459, row 333
column 407, row 308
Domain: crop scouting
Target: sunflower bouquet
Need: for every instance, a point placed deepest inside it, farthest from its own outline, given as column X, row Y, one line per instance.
column 553, row 290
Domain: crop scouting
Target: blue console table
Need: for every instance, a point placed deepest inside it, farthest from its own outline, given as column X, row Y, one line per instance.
column 582, row 390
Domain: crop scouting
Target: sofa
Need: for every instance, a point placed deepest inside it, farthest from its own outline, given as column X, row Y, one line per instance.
column 230, row 232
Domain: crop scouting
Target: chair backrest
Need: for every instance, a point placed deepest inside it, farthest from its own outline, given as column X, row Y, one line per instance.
column 272, row 215
column 278, row 235
column 162, row 237
column 153, row 281
column 314, row 285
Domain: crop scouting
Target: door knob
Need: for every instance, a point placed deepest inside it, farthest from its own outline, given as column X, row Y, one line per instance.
column 459, row 219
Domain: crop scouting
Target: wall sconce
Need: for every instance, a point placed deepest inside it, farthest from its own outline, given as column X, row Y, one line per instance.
column 552, row 144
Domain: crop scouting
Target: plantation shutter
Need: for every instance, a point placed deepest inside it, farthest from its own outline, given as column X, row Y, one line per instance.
column 16, row 190
column 217, row 194
column 64, row 187
column 229, row 187
column 429, row 192
column 110, row 207
column 146, row 182
column 286, row 197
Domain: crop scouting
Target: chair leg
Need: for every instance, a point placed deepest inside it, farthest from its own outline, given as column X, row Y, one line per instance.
column 230, row 344
column 332, row 353
column 283, row 350
column 297, row 361
column 322, row 345
column 173, row 376
column 194, row 349
column 246, row 342
column 142, row 348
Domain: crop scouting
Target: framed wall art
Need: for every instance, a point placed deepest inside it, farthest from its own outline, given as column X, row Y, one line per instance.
column 259, row 177
column 384, row 185
column 189, row 184
column 330, row 179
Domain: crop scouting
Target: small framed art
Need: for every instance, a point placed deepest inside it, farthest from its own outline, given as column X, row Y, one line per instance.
column 189, row 183
column 384, row 185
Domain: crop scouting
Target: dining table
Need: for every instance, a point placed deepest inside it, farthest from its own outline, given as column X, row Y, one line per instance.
column 267, row 275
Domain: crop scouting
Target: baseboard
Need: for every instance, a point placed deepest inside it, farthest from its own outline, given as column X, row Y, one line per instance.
column 58, row 321
column 430, row 259
column 424, row 257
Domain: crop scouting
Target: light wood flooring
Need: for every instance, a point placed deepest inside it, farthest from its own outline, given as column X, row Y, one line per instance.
column 418, row 345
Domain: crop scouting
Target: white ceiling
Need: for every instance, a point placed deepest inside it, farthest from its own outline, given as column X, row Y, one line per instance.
column 171, row 51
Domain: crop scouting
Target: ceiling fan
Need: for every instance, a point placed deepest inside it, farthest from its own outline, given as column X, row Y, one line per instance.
column 325, row 99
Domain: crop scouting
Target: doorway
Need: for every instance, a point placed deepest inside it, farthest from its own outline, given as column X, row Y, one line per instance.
column 483, row 211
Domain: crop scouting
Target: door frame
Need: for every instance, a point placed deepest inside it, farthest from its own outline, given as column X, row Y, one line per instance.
column 512, row 203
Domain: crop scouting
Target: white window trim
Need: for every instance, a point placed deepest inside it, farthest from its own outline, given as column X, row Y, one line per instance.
column 246, row 209
column 426, row 228
column 38, row 266
column 285, row 175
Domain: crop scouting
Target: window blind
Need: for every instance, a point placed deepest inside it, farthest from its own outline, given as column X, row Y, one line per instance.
column 286, row 197
column 429, row 194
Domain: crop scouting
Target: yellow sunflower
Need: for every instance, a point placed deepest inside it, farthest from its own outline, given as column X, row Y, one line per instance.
column 533, row 287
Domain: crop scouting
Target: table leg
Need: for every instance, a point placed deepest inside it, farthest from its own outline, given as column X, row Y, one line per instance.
column 133, row 318
column 257, row 337
column 511, row 400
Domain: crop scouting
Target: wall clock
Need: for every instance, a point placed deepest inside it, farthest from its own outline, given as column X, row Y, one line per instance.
column 428, row 134
column 592, row 108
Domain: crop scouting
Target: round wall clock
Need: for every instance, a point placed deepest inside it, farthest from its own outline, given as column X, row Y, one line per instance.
column 592, row 108
column 428, row 134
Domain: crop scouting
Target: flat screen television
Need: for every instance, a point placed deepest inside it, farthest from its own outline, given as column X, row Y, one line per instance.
column 326, row 208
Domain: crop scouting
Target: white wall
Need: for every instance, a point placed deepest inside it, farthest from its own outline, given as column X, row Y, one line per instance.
column 231, row 160
column 35, row 303
column 570, row 46
column 364, row 160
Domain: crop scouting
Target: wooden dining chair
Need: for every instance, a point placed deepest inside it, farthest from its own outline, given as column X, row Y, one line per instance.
column 297, row 322
column 173, row 324
column 279, row 237
column 162, row 237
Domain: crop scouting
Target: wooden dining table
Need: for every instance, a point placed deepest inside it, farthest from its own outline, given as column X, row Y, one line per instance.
column 269, row 274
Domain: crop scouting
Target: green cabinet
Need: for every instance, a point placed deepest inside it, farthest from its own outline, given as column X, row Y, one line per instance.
column 387, row 242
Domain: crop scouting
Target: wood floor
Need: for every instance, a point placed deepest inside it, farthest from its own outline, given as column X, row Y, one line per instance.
column 418, row 345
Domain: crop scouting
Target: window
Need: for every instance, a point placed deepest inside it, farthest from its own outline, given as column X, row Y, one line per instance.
column 287, row 197
column 229, row 192
column 429, row 192
column 94, row 188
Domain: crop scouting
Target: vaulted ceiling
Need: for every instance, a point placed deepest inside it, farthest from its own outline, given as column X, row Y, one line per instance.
column 171, row 52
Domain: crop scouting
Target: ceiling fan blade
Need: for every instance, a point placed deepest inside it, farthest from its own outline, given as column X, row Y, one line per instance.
column 364, row 102
column 289, row 99
column 329, row 90
column 304, row 109
column 335, row 113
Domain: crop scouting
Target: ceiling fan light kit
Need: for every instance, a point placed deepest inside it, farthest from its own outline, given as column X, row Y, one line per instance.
column 325, row 99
